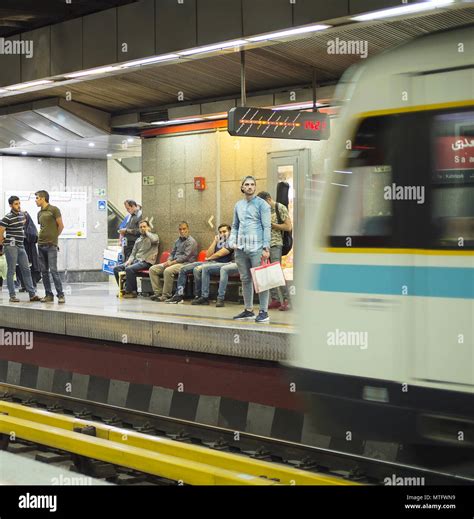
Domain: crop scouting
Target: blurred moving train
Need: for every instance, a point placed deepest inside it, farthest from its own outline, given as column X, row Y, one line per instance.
column 386, row 305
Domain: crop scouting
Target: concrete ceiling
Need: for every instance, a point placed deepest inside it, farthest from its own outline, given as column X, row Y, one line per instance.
column 25, row 15
column 278, row 66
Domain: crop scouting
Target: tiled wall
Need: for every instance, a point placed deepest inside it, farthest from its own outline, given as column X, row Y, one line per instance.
column 174, row 161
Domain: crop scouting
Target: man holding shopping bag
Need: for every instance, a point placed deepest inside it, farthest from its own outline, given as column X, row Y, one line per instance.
column 250, row 238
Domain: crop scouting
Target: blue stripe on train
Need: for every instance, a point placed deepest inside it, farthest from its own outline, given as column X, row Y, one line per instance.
column 390, row 280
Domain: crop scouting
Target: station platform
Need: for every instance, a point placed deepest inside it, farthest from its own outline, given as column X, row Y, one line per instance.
column 94, row 311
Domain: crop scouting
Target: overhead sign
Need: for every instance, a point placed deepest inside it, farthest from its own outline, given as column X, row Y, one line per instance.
column 278, row 124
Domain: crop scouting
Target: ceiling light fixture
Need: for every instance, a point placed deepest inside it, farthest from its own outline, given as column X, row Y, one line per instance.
column 289, row 32
column 24, row 153
column 403, row 9
column 91, row 72
column 178, row 121
column 211, row 48
column 109, row 155
column 149, row 61
column 57, row 148
column 91, row 144
column 29, row 84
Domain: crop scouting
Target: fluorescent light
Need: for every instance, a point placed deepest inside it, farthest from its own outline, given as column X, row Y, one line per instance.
column 24, row 153
column 217, row 116
column 109, row 155
column 57, row 148
column 91, row 144
column 91, row 72
column 289, row 32
column 210, row 48
column 404, row 9
column 178, row 121
column 301, row 106
column 129, row 139
column 30, row 84
column 148, row 61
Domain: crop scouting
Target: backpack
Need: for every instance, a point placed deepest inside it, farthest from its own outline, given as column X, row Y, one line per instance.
column 286, row 235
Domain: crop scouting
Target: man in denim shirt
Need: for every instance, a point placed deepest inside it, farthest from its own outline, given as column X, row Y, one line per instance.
column 250, row 238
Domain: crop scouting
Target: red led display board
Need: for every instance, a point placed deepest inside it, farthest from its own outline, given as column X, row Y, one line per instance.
column 278, row 124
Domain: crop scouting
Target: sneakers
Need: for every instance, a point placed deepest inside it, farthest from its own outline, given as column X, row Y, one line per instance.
column 246, row 315
column 284, row 307
column 61, row 300
column 201, row 301
column 175, row 300
column 34, row 299
column 262, row 317
column 219, row 303
column 130, row 295
column 158, row 299
column 274, row 304
column 14, row 299
column 47, row 299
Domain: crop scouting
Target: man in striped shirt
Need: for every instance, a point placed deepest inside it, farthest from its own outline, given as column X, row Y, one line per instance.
column 12, row 236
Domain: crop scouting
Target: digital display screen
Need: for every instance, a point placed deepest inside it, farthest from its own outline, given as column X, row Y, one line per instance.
column 278, row 124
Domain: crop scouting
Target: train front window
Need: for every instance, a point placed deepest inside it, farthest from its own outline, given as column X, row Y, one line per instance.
column 363, row 214
column 452, row 198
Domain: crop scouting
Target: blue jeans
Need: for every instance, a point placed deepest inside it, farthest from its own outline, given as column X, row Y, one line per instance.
column 17, row 254
column 183, row 276
column 245, row 261
column 48, row 261
column 131, row 272
column 224, row 270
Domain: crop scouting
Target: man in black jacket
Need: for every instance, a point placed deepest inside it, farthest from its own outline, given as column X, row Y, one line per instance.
column 131, row 232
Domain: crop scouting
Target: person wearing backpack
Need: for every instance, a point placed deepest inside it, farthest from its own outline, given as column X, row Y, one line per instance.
column 280, row 245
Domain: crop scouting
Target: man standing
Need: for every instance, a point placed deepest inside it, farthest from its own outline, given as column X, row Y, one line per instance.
column 131, row 232
column 279, row 214
column 13, row 223
column 250, row 238
column 143, row 256
column 51, row 226
column 185, row 251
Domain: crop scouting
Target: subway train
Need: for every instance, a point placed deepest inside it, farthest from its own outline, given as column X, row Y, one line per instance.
column 385, row 300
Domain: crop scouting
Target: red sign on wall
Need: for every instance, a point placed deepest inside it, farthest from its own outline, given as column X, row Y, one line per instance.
column 200, row 183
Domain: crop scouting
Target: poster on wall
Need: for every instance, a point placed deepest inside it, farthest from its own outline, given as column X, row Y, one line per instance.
column 73, row 207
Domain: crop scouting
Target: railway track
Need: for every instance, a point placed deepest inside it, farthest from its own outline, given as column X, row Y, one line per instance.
column 132, row 447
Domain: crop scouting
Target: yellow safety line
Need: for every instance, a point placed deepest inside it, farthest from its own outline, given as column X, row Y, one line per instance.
column 243, row 468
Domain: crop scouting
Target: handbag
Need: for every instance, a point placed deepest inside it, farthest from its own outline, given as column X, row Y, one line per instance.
column 267, row 275
column 286, row 235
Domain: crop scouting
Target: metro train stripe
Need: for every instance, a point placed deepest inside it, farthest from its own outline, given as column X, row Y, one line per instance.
column 390, row 280
column 423, row 252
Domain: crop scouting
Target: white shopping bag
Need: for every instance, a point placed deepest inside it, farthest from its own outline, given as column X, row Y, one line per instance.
column 268, row 275
column 3, row 266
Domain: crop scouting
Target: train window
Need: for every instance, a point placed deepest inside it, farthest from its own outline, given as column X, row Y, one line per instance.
column 363, row 213
column 452, row 196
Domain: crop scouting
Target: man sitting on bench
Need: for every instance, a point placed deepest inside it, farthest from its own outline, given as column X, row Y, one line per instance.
column 143, row 256
column 218, row 262
column 218, row 254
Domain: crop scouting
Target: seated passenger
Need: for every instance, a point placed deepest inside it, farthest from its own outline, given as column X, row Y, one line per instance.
column 219, row 261
column 185, row 251
column 143, row 256
column 217, row 254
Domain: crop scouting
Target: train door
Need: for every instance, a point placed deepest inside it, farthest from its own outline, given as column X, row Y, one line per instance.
column 290, row 167
column 444, row 309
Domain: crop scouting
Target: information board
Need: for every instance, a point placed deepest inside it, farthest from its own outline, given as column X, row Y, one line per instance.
column 278, row 124
column 73, row 207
